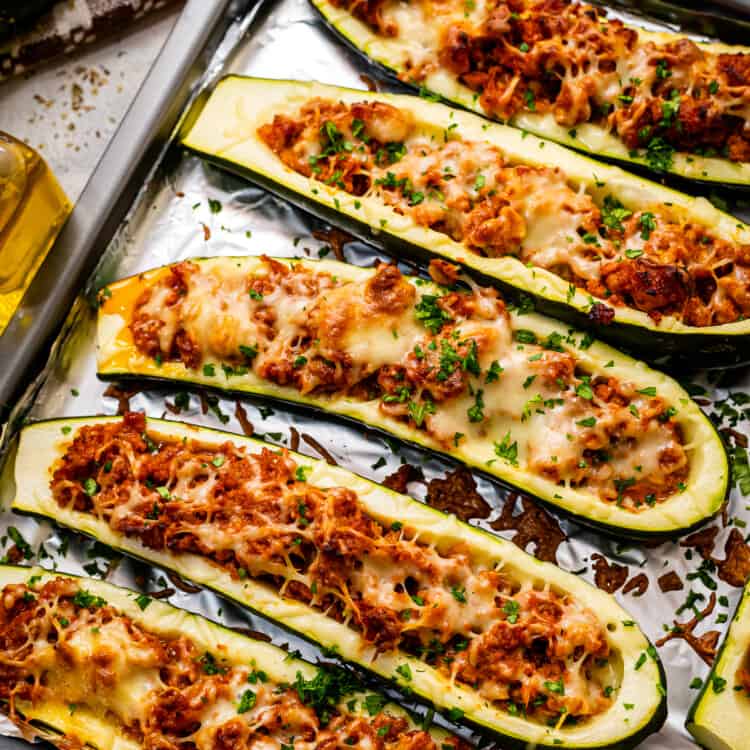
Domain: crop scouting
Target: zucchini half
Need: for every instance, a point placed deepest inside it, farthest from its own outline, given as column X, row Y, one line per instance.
column 61, row 724
column 388, row 54
column 640, row 708
column 225, row 134
column 706, row 485
column 719, row 718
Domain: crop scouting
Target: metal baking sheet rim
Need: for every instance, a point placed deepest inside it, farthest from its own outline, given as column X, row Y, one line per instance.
column 135, row 149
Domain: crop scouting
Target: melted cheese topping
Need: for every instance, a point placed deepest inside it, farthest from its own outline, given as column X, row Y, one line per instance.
column 60, row 644
column 648, row 260
column 254, row 516
column 451, row 366
column 568, row 58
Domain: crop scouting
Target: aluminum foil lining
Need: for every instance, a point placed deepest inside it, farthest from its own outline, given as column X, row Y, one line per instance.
column 171, row 221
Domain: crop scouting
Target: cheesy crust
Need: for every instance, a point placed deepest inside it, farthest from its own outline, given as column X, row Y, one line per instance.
column 451, row 365
column 647, row 260
column 524, row 649
column 61, row 643
column 569, row 59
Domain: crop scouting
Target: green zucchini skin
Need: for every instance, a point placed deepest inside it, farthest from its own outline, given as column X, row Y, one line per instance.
column 676, row 352
column 721, row 721
column 636, row 163
column 510, row 743
column 707, row 484
column 193, row 625
column 25, row 506
column 687, row 349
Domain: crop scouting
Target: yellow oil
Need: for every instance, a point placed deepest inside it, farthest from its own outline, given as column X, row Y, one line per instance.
column 33, row 208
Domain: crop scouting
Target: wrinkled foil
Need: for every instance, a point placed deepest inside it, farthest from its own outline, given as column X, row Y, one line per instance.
column 171, row 220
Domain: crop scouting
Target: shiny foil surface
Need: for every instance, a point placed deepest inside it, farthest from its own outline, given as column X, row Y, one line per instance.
column 173, row 220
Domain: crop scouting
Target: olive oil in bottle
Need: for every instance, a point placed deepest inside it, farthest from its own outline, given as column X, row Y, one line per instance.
column 33, row 209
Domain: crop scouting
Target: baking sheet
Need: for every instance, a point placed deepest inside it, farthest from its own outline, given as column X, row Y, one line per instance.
column 171, row 221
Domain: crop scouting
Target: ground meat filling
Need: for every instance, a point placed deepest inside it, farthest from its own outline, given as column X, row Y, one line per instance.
column 569, row 59
column 521, row 646
column 180, row 697
column 647, row 260
column 445, row 364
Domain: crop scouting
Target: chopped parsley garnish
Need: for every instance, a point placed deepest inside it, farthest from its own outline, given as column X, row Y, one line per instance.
column 647, row 223
column 429, row 312
column 85, row 600
column 374, row 703
column 459, row 594
column 507, row 450
column 512, row 609
column 257, row 675
column 583, row 389
column 249, row 352
column 475, row 412
column 418, row 411
column 670, row 108
column 662, row 69
column 246, row 702
column 614, row 213
column 454, row 714
column 493, row 373
column 405, row 671
column 590, row 239
column 659, row 154
column 556, row 686
column 324, row 692
column 143, row 601
column 90, row 487
column 554, row 342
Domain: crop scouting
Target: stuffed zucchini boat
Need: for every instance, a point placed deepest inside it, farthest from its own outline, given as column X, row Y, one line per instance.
column 652, row 270
column 533, row 404
column 462, row 618
column 564, row 71
column 719, row 719
column 87, row 663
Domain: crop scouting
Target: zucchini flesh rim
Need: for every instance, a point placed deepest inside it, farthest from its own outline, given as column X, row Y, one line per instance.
column 41, row 444
column 719, row 718
column 589, row 138
column 165, row 620
column 706, row 485
column 224, row 132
